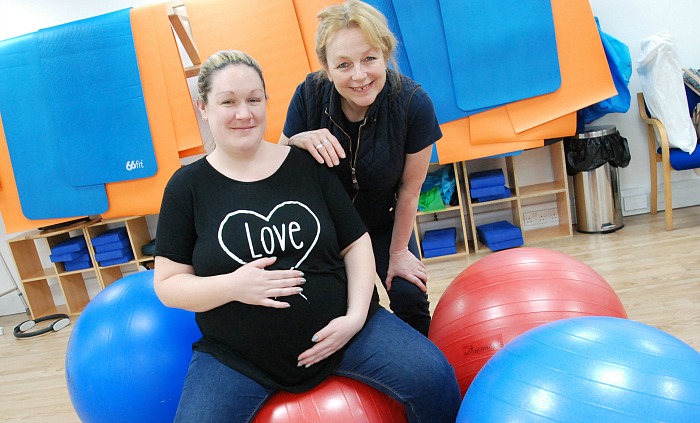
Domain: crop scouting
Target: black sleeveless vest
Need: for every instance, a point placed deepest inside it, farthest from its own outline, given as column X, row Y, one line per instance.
column 379, row 155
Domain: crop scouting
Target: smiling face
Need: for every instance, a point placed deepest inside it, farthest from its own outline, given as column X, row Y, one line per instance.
column 356, row 68
column 235, row 107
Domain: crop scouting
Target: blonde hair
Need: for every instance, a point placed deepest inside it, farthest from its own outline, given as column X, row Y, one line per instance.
column 355, row 14
column 220, row 60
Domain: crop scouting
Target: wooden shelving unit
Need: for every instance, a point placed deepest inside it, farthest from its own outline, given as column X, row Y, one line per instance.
column 36, row 278
column 455, row 211
column 556, row 191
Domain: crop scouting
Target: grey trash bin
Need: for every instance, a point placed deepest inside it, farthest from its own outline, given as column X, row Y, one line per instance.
column 597, row 192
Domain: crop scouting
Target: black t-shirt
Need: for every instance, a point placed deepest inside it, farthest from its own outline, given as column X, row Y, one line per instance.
column 301, row 215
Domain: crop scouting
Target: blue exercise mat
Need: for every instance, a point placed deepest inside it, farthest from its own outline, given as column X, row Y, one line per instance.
column 387, row 8
column 43, row 191
column 422, row 31
column 400, row 54
column 98, row 114
column 500, row 51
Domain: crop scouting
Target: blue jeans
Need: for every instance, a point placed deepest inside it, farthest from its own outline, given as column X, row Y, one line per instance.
column 406, row 300
column 387, row 355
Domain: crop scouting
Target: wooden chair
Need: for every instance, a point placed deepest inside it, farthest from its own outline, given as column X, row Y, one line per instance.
column 671, row 159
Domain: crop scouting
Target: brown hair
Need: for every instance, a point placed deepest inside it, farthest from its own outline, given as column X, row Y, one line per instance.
column 220, row 60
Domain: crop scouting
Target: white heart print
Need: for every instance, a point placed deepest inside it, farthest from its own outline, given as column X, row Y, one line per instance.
column 273, row 236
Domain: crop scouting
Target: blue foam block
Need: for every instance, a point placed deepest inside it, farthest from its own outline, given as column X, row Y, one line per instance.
column 70, row 245
column 516, row 54
column 487, row 178
column 110, row 246
column 438, row 239
column 70, row 256
column 486, row 191
column 504, row 194
column 436, row 252
column 114, row 254
column 119, row 260
column 498, row 231
column 502, row 245
column 77, row 265
column 109, row 236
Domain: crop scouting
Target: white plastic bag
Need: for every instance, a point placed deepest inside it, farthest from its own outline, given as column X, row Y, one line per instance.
column 661, row 77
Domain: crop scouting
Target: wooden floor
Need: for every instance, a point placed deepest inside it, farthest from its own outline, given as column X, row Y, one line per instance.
column 655, row 273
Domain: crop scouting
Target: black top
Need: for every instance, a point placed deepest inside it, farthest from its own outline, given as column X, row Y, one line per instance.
column 401, row 121
column 302, row 216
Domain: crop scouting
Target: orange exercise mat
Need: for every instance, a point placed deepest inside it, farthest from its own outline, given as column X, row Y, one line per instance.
column 182, row 109
column 456, row 145
column 494, row 126
column 170, row 112
column 268, row 31
column 585, row 73
column 306, row 11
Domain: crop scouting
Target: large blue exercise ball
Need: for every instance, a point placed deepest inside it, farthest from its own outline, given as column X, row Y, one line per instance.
column 128, row 354
column 588, row 369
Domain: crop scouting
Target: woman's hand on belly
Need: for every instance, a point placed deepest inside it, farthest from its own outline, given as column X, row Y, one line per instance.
column 330, row 339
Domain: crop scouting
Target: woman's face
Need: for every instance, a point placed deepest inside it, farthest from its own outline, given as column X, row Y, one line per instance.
column 357, row 69
column 236, row 107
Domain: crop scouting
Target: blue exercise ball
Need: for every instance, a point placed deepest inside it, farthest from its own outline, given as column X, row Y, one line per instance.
column 128, row 354
column 588, row 369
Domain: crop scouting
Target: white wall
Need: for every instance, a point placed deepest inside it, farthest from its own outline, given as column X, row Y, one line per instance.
column 630, row 21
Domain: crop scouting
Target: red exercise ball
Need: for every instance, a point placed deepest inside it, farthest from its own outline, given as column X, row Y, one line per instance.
column 336, row 400
column 507, row 293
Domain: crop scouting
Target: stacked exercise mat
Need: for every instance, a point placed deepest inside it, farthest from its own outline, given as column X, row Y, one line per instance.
column 500, row 235
column 439, row 242
column 112, row 247
column 488, row 185
column 73, row 253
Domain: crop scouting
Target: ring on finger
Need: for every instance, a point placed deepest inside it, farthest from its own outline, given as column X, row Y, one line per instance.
column 326, row 141
column 319, row 146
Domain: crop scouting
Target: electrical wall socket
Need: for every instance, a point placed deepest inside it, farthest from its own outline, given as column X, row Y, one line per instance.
column 540, row 218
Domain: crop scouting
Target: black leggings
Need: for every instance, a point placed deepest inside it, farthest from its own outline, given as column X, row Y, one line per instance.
column 406, row 300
